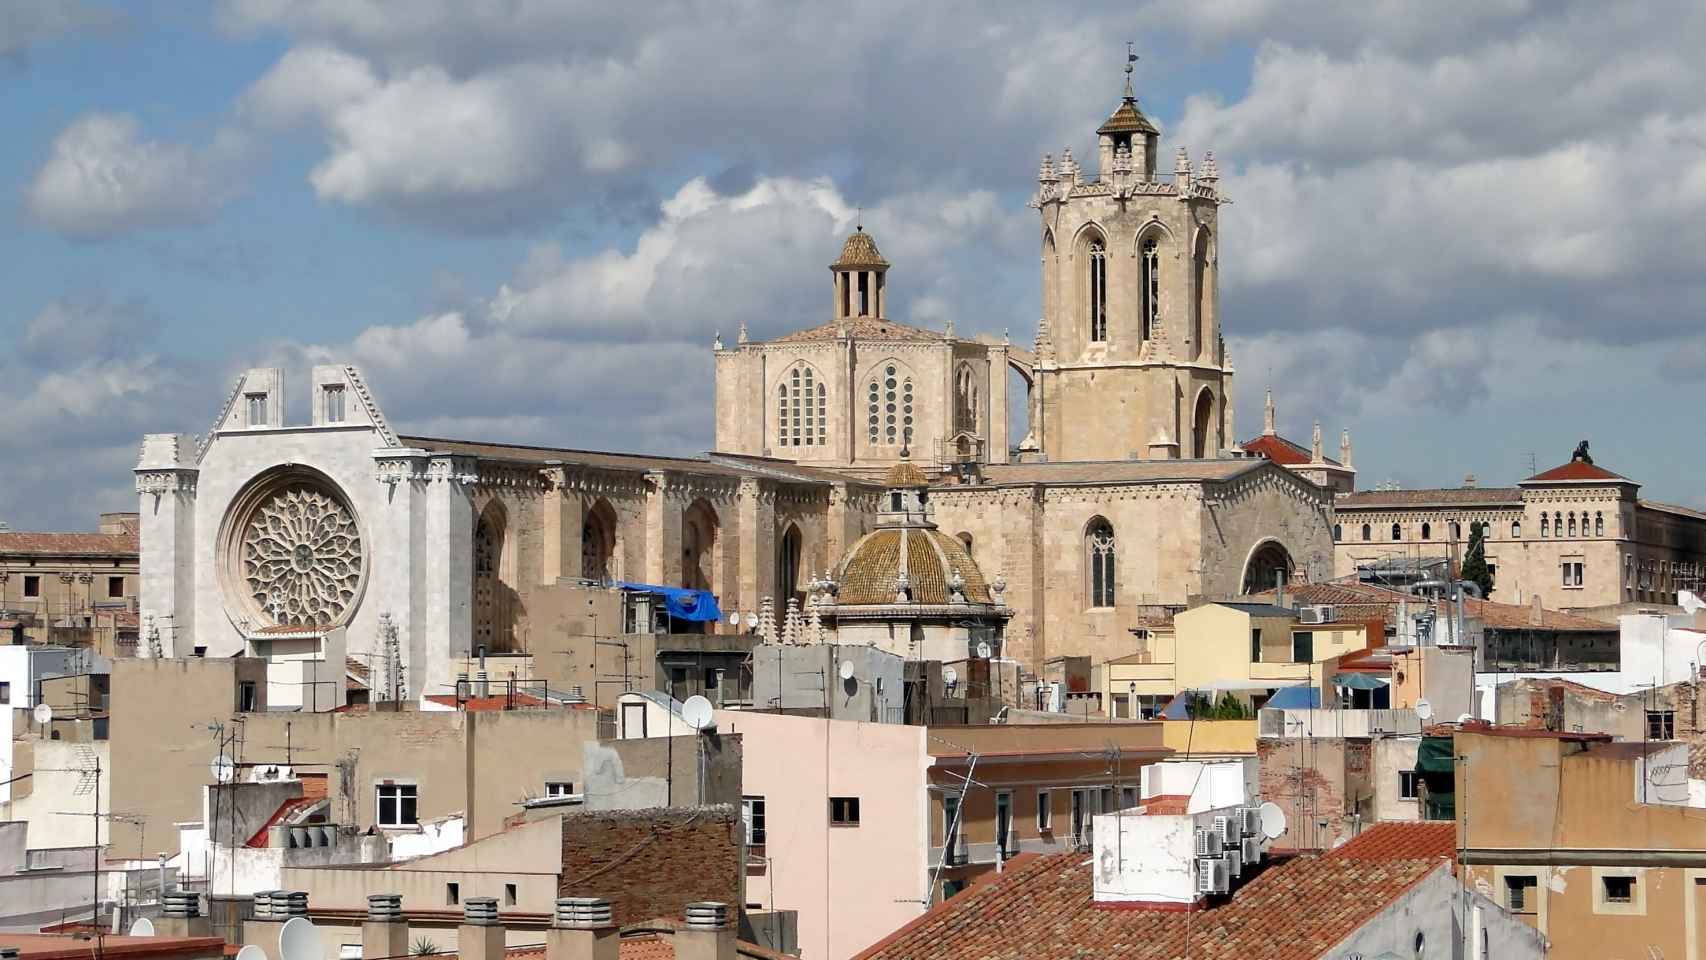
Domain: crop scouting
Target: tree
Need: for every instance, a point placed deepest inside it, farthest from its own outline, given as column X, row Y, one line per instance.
column 1475, row 567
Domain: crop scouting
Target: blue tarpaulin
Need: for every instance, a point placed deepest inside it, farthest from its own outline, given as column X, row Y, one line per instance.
column 682, row 603
column 1295, row 698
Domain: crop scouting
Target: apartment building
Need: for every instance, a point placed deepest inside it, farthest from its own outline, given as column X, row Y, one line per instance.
column 860, row 827
column 72, row 588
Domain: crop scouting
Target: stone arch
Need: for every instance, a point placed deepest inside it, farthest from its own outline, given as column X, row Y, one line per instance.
column 790, row 557
column 1101, row 566
column 1149, row 247
column 701, row 556
column 967, row 412
column 1266, row 559
column 801, row 395
column 494, row 594
column 1051, row 263
column 599, row 542
column 1090, row 279
column 1204, row 426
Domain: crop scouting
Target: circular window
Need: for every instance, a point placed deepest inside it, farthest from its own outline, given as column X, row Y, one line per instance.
column 293, row 551
column 890, row 371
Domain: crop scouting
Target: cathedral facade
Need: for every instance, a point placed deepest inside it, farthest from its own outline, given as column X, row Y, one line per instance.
column 1120, row 502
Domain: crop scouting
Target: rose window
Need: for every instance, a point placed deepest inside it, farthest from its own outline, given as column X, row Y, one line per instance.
column 301, row 557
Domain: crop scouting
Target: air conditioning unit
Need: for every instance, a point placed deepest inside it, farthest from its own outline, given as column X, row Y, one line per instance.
column 1252, row 817
column 1213, row 875
column 1227, row 827
column 1252, row 850
column 1208, row 842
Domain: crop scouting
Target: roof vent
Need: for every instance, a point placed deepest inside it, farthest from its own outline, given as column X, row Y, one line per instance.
column 583, row 913
column 289, row 903
column 576, row 695
column 263, row 905
column 480, row 911
column 181, row 903
column 707, row 915
column 385, row 907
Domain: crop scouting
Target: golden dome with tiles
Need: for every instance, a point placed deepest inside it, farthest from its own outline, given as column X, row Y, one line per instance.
column 869, row 574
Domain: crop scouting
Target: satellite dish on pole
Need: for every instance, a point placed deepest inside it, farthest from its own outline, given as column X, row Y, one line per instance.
column 734, row 618
column 846, row 671
column 143, row 927
column 1273, row 821
column 300, row 941
column 43, row 714
column 252, row 951
column 752, row 621
column 223, row 770
column 950, row 676
column 1424, row 710
column 984, row 652
column 697, row 713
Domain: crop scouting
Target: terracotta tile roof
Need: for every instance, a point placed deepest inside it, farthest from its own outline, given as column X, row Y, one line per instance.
column 1510, row 616
column 1283, row 451
column 1435, row 839
column 862, row 328
column 860, row 250
column 906, row 474
column 285, row 810
column 1576, row 471
column 1041, row 909
column 1127, row 119
column 1360, row 601
column 64, row 946
column 520, row 701
column 1449, row 496
column 867, row 576
column 1116, row 471
column 124, row 545
column 653, row 940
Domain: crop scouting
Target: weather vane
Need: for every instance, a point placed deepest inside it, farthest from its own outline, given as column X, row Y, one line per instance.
column 1130, row 58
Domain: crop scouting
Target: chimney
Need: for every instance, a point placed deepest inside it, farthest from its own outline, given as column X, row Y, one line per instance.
column 1535, row 617
column 384, row 933
column 582, row 929
column 181, row 915
column 272, row 909
column 480, row 937
column 706, row 935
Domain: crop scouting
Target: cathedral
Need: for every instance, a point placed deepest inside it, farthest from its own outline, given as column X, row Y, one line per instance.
column 861, row 465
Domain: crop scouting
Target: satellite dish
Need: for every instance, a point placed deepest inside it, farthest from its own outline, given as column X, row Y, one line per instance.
column 252, row 951
column 43, row 714
column 734, row 618
column 1466, row 718
column 950, row 676
column 143, row 927
column 1273, row 821
column 752, row 621
column 983, row 650
column 1424, row 710
column 223, row 770
column 846, row 670
column 696, row 713
column 300, row 941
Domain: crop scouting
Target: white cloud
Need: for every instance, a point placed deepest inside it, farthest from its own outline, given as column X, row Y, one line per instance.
column 28, row 23
column 103, row 178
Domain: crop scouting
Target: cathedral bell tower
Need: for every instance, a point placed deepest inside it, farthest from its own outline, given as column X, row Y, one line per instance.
column 1129, row 361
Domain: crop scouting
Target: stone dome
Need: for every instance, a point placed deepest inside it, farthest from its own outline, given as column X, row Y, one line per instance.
column 867, row 575
column 859, row 252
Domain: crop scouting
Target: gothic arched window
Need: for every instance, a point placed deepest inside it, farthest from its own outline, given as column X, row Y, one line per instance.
column 1545, row 526
column 1099, row 545
column 1598, row 524
column 1572, row 523
column 965, row 399
column 1397, row 532
column 788, row 565
column 802, row 402
column 1367, row 533
column 1098, row 291
column 1427, row 531
column 1338, row 533
column 1516, row 529
column 1150, row 287
column 889, row 407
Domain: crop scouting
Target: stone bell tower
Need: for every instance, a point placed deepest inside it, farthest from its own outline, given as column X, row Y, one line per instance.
column 1129, row 359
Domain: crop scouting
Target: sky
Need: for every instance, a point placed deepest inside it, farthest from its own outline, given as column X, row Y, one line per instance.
column 1471, row 233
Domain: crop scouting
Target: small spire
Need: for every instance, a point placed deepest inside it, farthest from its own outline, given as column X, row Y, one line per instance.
column 948, row 331
column 1345, row 448
column 1130, row 58
column 1268, row 415
column 741, row 336
column 717, row 340
column 1315, row 454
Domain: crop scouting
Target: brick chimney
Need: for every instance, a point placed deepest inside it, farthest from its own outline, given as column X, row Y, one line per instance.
column 181, row 915
column 480, row 937
column 706, row 935
column 384, row 933
column 582, row 929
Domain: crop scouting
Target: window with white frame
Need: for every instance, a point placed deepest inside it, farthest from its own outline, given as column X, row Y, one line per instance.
column 1045, row 812
column 953, row 838
column 395, row 805
column 559, row 788
column 1005, row 841
column 752, row 812
column 1407, row 785
column 1572, row 573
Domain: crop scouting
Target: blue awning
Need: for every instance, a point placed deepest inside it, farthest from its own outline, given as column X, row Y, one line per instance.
column 1295, row 698
column 682, row 603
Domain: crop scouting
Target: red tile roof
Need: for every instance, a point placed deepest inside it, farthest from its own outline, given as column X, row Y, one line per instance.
column 1442, row 496
column 652, row 940
column 50, row 946
column 120, row 545
column 1364, row 601
column 497, row 702
column 1402, row 841
column 1042, row 908
column 284, row 811
column 1576, row 470
column 1282, row 451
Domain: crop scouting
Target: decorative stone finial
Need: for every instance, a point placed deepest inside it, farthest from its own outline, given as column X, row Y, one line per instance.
column 998, row 587
column 717, row 340
column 956, row 586
column 1182, row 168
column 741, row 337
column 1210, row 170
column 1045, row 172
column 948, row 330
column 1268, row 415
column 1315, row 454
column 902, row 588
column 767, row 621
column 1345, row 448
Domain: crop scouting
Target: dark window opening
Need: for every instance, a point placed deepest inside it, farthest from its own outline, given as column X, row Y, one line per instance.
column 844, row 811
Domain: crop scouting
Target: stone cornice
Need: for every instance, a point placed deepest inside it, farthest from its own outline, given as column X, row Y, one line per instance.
column 170, row 480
